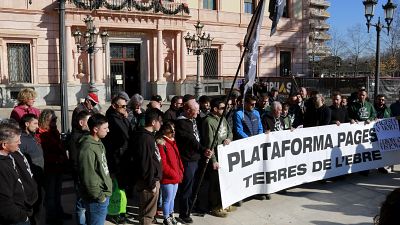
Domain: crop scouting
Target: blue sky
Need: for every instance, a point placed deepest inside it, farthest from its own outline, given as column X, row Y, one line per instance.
column 347, row 13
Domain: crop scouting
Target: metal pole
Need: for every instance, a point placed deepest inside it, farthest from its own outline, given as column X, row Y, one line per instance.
column 197, row 88
column 63, row 80
column 377, row 57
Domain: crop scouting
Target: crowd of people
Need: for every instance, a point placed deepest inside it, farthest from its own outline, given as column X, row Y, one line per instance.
column 156, row 155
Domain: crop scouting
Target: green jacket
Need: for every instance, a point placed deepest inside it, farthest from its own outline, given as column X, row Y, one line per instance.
column 209, row 127
column 95, row 180
column 362, row 111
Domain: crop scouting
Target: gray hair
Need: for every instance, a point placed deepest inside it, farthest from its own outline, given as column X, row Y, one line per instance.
column 8, row 129
column 275, row 105
column 135, row 100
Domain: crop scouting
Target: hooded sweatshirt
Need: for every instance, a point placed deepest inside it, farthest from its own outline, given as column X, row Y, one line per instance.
column 96, row 183
column 13, row 207
column 147, row 160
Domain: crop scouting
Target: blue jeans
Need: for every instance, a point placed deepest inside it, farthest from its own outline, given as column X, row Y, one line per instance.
column 79, row 207
column 96, row 212
column 80, row 211
column 168, row 193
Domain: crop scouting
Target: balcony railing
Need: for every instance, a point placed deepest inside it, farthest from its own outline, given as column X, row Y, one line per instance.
column 156, row 6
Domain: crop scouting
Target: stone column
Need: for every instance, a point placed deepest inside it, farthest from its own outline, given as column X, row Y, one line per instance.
column 183, row 57
column 160, row 57
column 178, row 53
column 69, row 61
column 98, row 62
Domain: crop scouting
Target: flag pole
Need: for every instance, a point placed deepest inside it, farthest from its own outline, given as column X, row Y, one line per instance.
column 215, row 138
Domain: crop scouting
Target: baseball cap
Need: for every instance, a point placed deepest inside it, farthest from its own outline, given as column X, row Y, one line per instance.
column 93, row 97
column 156, row 98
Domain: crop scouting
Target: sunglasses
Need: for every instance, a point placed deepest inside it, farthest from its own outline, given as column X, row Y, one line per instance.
column 121, row 106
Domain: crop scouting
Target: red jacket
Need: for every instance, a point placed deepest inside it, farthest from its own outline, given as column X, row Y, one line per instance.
column 171, row 161
column 55, row 156
column 20, row 110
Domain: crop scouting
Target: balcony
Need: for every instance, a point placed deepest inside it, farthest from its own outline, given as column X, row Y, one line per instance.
column 320, row 25
column 318, row 13
column 133, row 6
column 317, row 35
column 320, row 3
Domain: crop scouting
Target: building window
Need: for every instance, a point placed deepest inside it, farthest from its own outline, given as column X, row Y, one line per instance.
column 210, row 4
column 19, row 62
column 286, row 10
column 248, row 6
column 285, row 68
column 210, row 63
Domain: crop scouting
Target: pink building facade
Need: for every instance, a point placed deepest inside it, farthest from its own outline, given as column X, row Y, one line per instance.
column 145, row 52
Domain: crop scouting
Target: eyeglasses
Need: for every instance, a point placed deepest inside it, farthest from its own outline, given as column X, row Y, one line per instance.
column 121, row 106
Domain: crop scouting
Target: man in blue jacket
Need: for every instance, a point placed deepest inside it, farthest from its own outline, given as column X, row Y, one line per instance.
column 246, row 121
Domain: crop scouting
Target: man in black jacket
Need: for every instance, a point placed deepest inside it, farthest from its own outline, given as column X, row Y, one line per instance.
column 33, row 151
column 80, row 129
column 272, row 121
column 116, row 141
column 188, row 141
column 175, row 109
column 15, row 207
column 339, row 113
column 147, row 165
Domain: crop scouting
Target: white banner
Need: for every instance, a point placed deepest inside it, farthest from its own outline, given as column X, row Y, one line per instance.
column 387, row 131
column 267, row 163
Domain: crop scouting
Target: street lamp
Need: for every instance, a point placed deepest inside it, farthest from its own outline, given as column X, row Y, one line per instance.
column 369, row 13
column 198, row 43
column 87, row 44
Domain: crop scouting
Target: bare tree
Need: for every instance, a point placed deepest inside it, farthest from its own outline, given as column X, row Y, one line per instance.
column 337, row 44
column 358, row 45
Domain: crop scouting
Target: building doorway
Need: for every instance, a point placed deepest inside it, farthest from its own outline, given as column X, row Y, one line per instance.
column 125, row 68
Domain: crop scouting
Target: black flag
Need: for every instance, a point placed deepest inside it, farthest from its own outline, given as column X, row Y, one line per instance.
column 275, row 10
column 251, row 43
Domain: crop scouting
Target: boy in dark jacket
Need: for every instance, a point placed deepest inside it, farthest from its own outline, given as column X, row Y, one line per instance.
column 147, row 164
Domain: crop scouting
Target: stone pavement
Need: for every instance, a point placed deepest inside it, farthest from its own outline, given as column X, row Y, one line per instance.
column 354, row 200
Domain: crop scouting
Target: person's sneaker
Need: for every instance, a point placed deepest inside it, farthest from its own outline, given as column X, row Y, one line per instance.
column 174, row 221
column 231, row 208
column 219, row 213
column 186, row 219
column 168, row 221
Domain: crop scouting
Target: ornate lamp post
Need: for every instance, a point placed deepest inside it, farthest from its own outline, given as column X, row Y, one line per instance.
column 198, row 44
column 87, row 44
column 369, row 13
